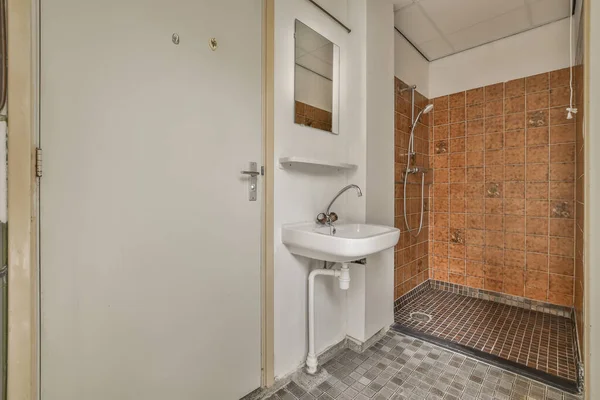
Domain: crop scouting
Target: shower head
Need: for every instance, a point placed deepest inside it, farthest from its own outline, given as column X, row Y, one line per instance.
column 426, row 110
column 411, row 141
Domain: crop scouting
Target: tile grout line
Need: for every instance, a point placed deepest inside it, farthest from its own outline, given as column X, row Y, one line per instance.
column 540, row 344
column 515, row 336
column 504, row 289
column 549, row 200
column 445, row 319
column 512, row 320
column 485, row 311
column 525, row 166
column 472, row 304
column 521, row 346
column 485, row 183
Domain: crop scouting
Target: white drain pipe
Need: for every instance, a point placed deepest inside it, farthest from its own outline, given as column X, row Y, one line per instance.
column 343, row 276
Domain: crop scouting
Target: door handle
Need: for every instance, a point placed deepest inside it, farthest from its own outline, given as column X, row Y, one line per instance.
column 253, row 173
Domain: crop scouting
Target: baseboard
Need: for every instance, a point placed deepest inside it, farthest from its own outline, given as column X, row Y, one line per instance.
column 483, row 294
column 410, row 295
column 359, row 347
column 324, row 356
column 503, row 298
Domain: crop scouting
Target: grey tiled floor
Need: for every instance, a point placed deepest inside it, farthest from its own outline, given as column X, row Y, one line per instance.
column 401, row 367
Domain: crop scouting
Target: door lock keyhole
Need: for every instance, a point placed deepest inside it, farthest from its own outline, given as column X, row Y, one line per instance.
column 212, row 43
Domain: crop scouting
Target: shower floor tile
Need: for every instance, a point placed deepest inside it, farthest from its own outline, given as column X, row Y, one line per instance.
column 529, row 338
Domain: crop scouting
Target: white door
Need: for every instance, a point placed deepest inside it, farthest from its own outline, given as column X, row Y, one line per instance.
column 150, row 248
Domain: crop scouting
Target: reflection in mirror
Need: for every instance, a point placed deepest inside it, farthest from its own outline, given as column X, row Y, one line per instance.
column 316, row 80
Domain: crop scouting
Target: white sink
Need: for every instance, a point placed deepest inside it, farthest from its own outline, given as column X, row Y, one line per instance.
column 350, row 241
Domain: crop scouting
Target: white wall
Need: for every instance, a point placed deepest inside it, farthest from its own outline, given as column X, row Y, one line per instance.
column 365, row 133
column 357, row 91
column 300, row 195
column 409, row 65
column 539, row 50
column 380, row 160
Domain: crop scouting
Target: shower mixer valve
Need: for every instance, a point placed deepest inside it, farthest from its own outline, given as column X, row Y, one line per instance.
column 327, row 219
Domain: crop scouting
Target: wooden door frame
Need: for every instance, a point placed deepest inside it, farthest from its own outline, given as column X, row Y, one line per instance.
column 23, row 293
column 23, row 262
column 268, row 281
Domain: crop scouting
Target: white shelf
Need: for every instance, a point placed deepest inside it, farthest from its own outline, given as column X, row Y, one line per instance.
column 291, row 162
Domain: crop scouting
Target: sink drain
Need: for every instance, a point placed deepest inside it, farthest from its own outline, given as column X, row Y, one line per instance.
column 421, row 317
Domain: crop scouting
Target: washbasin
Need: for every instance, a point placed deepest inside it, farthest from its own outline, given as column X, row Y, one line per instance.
column 347, row 242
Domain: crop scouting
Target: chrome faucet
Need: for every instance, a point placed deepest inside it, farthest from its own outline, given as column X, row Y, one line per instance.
column 328, row 217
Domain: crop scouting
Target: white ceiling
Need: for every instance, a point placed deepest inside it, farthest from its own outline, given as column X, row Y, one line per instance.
column 439, row 28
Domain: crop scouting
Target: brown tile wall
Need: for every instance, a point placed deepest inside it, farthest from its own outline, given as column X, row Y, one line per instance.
column 312, row 116
column 503, row 193
column 579, row 202
column 411, row 254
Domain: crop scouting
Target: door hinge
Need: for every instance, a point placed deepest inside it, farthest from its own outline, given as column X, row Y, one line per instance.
column 38, row 162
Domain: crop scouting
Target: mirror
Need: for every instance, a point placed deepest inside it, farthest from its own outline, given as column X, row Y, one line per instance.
column 316, row 83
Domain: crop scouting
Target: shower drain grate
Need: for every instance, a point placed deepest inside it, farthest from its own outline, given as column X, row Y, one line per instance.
column 421, row 317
